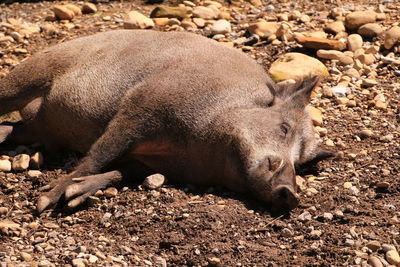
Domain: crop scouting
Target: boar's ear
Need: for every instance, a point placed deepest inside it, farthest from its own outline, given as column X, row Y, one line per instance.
column 301, row 97
column 318, row 155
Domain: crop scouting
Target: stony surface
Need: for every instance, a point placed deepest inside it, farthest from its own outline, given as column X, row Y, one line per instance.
column 349, row 211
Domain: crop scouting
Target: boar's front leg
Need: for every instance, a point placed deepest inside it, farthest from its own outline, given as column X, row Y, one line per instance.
column 123, row 133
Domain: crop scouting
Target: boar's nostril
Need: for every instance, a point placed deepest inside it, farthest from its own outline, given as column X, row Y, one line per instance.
column 286, row 198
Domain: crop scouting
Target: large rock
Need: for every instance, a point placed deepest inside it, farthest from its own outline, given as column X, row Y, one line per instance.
column 320, row 43
column 221, row 27
column 77, row 11
column 136, row 20
column 356, row 19
column 296, row 66
column 169, row 12
column 370, row 30
column 392, row 36
column 203, row 12
column 263, row 29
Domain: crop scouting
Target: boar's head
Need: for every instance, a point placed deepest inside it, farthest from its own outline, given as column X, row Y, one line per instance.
column 274, row 141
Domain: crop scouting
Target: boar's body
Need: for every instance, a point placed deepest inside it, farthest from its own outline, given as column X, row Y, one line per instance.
column 179, row 103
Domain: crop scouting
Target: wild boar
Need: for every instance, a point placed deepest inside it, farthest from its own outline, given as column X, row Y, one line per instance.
column 179, row 103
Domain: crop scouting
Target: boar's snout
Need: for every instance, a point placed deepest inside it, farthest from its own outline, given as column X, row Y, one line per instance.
column 284, row 198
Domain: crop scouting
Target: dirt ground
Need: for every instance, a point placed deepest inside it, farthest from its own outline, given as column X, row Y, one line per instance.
column 186, row 225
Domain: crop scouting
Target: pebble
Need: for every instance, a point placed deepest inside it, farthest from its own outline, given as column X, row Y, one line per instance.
column 3, row 210
column 26, row 256
column 354, row 42
column 335, row 27
column 110, row 192
column 34, row 173
column 205, row 12
column 154, row 181
column 36, row 160
column 263, row 29
column 392, row 256
column 374, row 245
column 374, row 261
column 369, row 82
column 347, row 185
column 340, row 90
column 78, row 263
column 88, row 8
column 62, row 12
column 221, row 26
column 214, row 261
column 370, row 30
column 136, row 20
column 388, row 247
column 392, row 36
column 329, row 54
column 5, row 165
column 316, row 115
column 365, row 133
column 320, row 43
column 179, row 12
column 20, row 162
column 328, row 216
column 304, row 217
column 382, row 185
column 286, row 232
column 159, row 261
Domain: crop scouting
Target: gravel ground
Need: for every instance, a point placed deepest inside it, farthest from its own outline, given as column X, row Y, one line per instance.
column 349, row 211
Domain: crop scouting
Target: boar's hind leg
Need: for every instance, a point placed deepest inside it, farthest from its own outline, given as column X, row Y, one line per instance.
column 121, row 135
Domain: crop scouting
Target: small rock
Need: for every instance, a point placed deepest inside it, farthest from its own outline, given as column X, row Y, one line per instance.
column 370, row 30
column 335, row 27
column 347, row 185
column 366, row 59
column 374, row 245
column 77, row 11
column 316, row 233
column 392, row 36
column 388, row 247
column 159, row 261
column 340, row 90
column 214, row 261
column 179, row 12
column 93, row 259
column 382, row 185
column 88, row 8
column 356, row 19
column 5, row 165
column 199, row 22
column 365, row 133
column 316, row 115
column 20, row 162
column 286, row 232
column 136, row 20
column 369, row 82
column 110, row 192
column 3, row 210
column 34, row 173
column 26, row 256
column 205, row 12
column 221, row 27
column 62, row 12
column 264, row 29
column 78, row 263
column 296, row 66
column 392, row 256
column 319, row 43
column 36, row 160
column 328, row 216
column 304, row 217
column 154, row 181
column 354, row 42
column 374, row 261
column 329, row 54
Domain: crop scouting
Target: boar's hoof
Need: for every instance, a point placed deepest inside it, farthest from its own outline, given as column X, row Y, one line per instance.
column 285, row 199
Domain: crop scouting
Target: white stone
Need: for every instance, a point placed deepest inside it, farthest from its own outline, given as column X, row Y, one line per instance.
column 136, row 20
column 221, row 26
